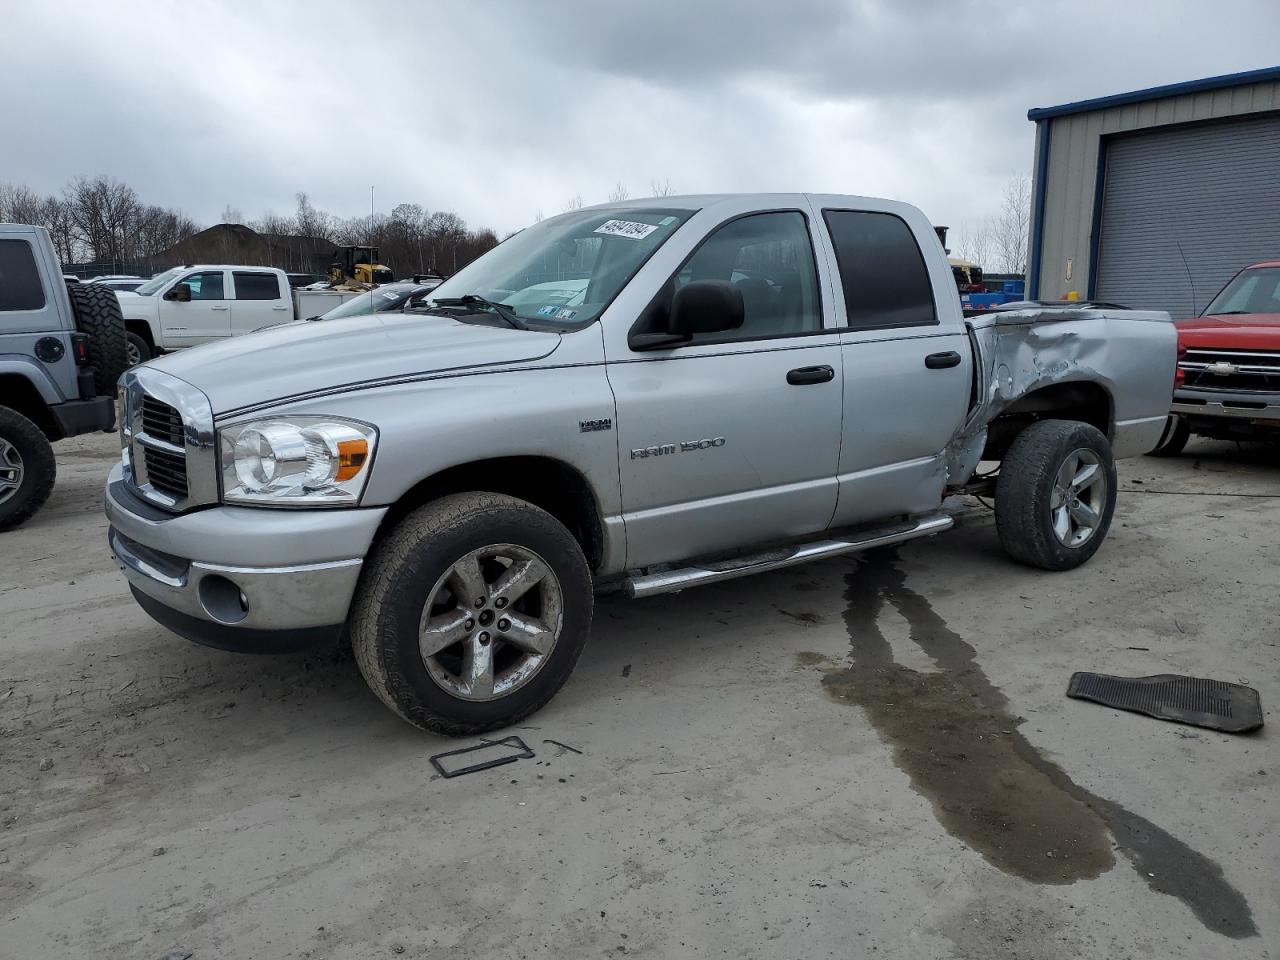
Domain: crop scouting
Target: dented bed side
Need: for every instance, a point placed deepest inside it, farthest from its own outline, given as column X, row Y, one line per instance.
column 1024, row 354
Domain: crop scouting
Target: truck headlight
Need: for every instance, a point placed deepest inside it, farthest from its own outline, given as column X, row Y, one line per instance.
column 303, row 461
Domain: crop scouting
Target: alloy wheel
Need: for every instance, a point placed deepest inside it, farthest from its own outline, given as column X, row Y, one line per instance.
column 1079, row 498
column 11, row 470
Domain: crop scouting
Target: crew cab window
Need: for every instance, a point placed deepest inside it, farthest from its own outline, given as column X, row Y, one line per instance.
column 769, row 257
column 886, row 283
column 19, row 279
column 257, row 286
column 205, row 286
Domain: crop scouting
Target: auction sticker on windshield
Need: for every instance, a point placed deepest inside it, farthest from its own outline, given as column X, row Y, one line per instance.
column 626, row 228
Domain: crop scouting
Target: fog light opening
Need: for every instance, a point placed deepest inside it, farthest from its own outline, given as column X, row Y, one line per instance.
column 223, row 600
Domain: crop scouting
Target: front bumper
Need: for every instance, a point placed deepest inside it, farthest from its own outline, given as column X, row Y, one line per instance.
column 241, row 578
column 1242, row 408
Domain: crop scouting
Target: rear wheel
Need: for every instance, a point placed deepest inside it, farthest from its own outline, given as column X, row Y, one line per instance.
column 98, row 314
column 27, row 468
column 1056, row 494
column 472, row 613
column 1176, row 434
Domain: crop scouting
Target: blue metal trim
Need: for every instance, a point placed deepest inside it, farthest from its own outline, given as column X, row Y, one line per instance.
column 1037, row 206
column 1095, row 231
column 1155, row 93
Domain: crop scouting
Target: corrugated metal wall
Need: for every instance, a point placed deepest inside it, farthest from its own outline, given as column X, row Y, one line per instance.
column 1184, row 209
column 1071, row 184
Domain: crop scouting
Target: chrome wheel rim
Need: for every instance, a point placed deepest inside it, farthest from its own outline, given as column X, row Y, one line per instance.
column 491, row 622
column 11, row 470
column 1079, row 498
column 132, row 354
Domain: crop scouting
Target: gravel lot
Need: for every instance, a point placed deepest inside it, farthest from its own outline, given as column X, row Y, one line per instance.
column 855, row 758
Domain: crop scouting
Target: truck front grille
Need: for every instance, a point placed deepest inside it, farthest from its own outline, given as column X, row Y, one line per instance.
column 161, row 421
column 166, row 471
column 1236, row 371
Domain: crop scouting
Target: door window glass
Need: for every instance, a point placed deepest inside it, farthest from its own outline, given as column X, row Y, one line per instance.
column 769, row 257
column 886, row 283
column 206, row 286
column 257, row 286
column 19, row 279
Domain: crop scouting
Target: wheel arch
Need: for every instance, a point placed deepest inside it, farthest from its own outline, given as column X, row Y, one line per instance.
column 1084, row 400
column 143, row 329
column 546, row 482
column 17, row 392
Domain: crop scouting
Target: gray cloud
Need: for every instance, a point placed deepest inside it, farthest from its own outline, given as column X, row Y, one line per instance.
column 500, row 110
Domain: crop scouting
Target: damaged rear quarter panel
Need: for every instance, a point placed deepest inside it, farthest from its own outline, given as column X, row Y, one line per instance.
column 1129, row 353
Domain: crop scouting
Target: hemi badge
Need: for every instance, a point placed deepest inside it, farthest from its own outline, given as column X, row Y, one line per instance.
column 590, row 426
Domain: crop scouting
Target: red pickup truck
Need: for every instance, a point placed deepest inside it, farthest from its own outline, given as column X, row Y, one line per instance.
column 1228, row 380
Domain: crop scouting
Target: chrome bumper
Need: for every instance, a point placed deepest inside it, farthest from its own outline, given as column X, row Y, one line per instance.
column 1242, row 406
column 301, row 572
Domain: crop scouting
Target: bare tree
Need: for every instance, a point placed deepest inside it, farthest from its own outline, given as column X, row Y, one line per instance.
column 1011, row 227
column 574, row 203
column 976, row 243
column 662, row 188
column 231, row 215
column 619, row 193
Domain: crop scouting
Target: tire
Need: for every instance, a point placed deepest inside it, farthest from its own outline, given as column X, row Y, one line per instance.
column 138, row 350
column 98, row 315
column 413, row 580
column 1176, row 434
column 27, row 468
column 1030, row 508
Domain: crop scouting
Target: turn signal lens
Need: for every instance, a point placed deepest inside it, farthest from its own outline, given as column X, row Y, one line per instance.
column 351, row 457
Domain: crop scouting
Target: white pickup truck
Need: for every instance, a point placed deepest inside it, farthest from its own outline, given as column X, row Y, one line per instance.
column 197, row 303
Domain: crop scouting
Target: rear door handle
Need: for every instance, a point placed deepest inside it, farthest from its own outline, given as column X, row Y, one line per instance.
column 219, row 308
column 805, row 375
column 940, row 361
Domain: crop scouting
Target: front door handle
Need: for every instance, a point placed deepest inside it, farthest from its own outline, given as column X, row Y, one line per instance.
column 805, row 375
column 940, row 361
column 219, row 308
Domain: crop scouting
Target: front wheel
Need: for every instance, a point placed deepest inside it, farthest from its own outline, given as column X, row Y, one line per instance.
column 137, row 349
column 1176, row 434
column 471, row 613
column 1056, row 494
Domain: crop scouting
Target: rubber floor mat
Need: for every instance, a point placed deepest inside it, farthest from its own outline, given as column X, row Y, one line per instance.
column 1215, row 704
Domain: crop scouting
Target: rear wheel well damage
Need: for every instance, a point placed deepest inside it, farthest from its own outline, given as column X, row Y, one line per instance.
column 20, row 394
column 550, row 484
column 1084, row 401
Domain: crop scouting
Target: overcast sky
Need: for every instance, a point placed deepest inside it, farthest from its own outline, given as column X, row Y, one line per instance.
column 500, row 110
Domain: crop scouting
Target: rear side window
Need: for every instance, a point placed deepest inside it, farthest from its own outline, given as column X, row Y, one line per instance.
column 19, row 279
column 257, row 286
column 886, row 283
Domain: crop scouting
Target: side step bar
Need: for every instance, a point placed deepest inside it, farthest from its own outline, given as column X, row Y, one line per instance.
column 670, row 581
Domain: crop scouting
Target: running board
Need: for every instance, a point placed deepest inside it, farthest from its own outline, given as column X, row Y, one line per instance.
column 669, row 581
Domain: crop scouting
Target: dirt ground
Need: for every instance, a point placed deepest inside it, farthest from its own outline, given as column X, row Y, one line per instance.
column 858, row 758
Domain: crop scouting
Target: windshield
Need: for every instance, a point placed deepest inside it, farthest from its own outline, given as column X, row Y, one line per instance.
column 1251, row 291
column 378, row 300
column 564, row 271
column 156, row 282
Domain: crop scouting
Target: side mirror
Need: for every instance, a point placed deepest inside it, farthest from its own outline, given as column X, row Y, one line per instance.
column 181, row 292
column 705, row 306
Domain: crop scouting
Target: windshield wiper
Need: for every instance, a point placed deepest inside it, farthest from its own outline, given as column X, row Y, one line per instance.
column 474, row 299
column 1227, row 313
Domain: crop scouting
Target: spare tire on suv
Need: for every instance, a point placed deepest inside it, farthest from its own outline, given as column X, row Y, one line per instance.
column 98, row 315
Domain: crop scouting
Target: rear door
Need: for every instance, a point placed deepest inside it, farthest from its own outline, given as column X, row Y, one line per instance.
column 207, row 316
column 261, row 298
column 906, row 357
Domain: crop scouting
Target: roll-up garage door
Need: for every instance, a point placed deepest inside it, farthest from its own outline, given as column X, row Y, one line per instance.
column 1184, row 209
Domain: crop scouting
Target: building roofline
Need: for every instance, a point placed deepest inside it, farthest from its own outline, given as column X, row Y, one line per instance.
column 1156, row 93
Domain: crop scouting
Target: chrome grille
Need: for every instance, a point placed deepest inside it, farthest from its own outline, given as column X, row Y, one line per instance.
column 168, row 431
column 1231, row 370
column 161, row 421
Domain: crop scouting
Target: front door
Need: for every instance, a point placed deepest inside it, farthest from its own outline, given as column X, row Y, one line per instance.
column 733, row 439
column 206, row 316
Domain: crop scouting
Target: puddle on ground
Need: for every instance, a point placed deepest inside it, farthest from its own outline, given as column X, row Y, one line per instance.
column 953, row 736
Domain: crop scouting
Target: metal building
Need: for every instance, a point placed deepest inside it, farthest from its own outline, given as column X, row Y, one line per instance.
column 1153, row 199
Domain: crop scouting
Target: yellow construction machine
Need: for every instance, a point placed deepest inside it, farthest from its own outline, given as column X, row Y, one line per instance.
column 357, row 268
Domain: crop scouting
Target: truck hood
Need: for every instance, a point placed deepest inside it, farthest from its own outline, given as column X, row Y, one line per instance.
column 1243, row 331
column 313, row 358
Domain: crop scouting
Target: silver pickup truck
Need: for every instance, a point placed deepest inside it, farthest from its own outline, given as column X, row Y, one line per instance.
column 643, row 396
